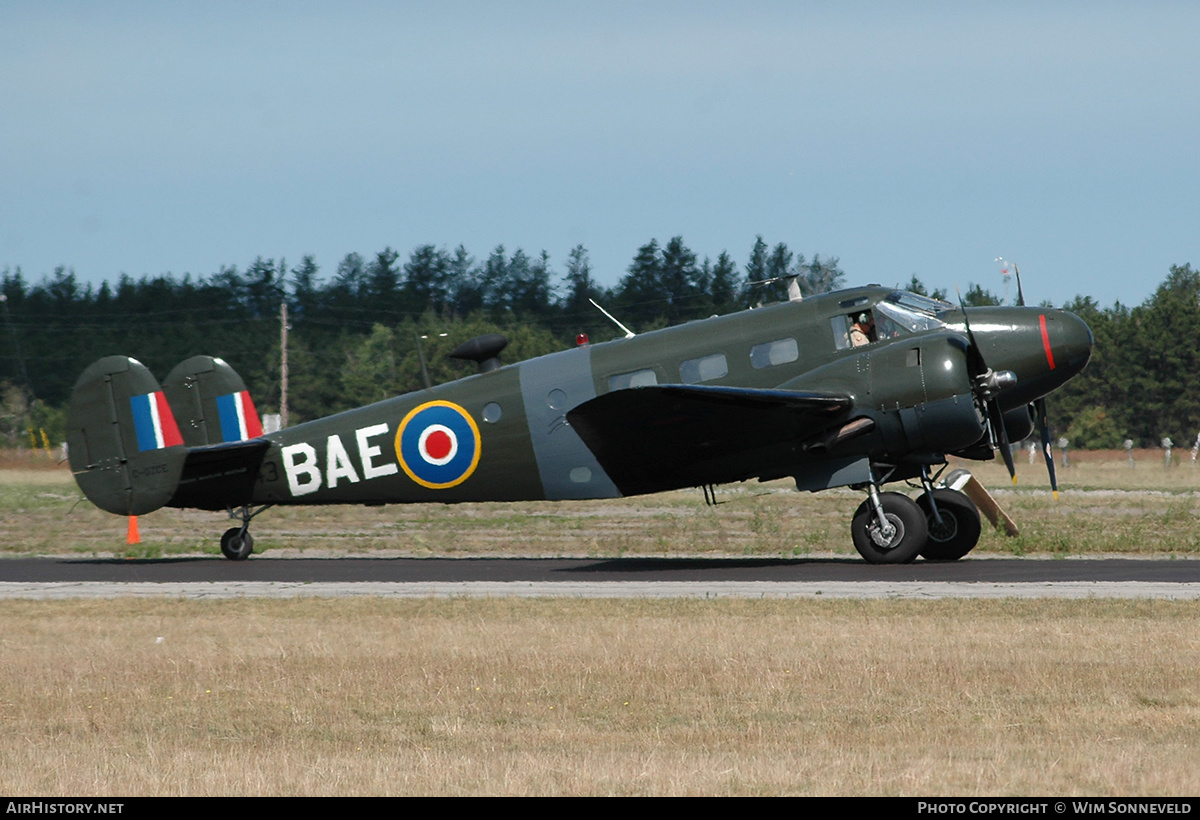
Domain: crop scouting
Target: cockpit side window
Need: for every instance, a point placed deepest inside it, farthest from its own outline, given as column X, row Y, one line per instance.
column 841, row 331
column 855, row 329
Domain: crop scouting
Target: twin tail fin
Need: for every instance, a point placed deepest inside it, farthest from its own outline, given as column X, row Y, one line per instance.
column 134, row 446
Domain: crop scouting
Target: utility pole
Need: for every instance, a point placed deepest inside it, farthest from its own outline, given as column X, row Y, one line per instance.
column 283, row 369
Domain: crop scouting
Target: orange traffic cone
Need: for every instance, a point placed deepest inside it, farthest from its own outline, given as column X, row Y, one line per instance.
column 133, row 537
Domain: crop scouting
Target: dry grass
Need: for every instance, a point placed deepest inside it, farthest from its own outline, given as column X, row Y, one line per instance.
column 319, row 697
column 1105, row 507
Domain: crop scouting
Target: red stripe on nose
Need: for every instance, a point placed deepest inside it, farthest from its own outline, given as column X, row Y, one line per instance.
column 1046, row 341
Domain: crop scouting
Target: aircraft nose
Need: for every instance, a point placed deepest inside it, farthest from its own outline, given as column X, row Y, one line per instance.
column 1074, row 342
column 1044, row 347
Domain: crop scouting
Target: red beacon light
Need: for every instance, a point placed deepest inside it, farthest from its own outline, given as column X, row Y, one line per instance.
column 581, row 339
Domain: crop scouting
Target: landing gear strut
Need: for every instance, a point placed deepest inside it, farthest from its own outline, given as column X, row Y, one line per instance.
column 957, row 532
column 237, row 543
column 888, row 528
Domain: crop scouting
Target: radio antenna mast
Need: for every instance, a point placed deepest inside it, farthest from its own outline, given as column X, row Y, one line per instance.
column 629, row 334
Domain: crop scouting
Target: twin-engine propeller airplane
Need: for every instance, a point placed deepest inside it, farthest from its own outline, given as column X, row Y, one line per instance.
column 854, row 388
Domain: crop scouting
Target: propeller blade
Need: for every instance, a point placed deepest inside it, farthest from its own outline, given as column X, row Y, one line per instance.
column 1005, row 447
column 981, row 374
column 1039, row 407
column 975, row 358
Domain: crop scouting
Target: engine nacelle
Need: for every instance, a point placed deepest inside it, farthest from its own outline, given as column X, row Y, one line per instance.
column 917, row 391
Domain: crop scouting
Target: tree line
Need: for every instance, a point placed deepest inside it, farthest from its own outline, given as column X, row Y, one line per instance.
column 1141, row 383
column 359, row 334
column 355, row 333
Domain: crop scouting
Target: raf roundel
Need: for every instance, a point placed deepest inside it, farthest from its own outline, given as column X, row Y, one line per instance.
column 438, row 445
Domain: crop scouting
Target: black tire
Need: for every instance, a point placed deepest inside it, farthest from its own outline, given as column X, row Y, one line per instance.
column 907, row 541
column 960, row 528
column 237, row 545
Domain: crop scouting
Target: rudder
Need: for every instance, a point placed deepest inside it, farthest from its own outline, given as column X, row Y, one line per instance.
column 123, row 444
column 211, row 402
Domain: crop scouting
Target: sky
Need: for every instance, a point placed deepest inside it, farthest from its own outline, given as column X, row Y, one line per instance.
column 922, row 138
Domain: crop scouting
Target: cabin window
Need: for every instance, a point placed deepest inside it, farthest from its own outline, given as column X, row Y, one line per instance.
column 704, row 369
column 492, row 412
column 769, row 354
column 638, row 378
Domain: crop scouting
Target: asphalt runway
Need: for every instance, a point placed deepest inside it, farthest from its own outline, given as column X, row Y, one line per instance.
column 621, row 577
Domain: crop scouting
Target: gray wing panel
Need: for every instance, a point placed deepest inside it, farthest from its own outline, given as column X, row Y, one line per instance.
column 550, row 386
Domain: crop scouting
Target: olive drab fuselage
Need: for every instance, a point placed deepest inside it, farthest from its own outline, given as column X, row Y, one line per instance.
column 505, row 435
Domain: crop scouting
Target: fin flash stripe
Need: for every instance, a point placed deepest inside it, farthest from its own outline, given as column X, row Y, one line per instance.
column 153, row 422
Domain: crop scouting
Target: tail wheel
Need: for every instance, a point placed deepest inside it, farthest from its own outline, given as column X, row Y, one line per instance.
column 905, row 541
column 237, row 544
column 960, row 528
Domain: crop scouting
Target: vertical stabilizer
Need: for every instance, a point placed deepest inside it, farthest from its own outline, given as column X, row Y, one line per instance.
column 211, row 402
column 124, row 446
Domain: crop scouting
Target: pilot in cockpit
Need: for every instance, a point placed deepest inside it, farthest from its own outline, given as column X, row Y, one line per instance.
column 862, row 332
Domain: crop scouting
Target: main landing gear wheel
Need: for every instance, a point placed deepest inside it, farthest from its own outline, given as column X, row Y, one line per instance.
column 237, row 544
column 960, row 528
column 903, row 544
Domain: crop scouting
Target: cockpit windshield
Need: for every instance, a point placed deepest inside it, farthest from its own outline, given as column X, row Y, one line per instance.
column 919, row 303
column 911, row 313
column 900, row 313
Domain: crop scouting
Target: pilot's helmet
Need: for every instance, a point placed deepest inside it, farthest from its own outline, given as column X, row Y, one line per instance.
column 864, row 319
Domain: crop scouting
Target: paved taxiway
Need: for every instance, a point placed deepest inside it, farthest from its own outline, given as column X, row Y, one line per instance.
column 209, row 577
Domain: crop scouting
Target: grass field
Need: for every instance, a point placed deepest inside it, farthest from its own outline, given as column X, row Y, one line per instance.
column 458, row 696
column 328, row 697
column 1104, row 507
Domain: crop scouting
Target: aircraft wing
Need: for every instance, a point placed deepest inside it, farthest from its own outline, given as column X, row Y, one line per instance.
column 663, row 437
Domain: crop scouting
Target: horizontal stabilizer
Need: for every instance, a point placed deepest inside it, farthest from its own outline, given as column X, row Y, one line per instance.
column 663, row 437
column 220, row 476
